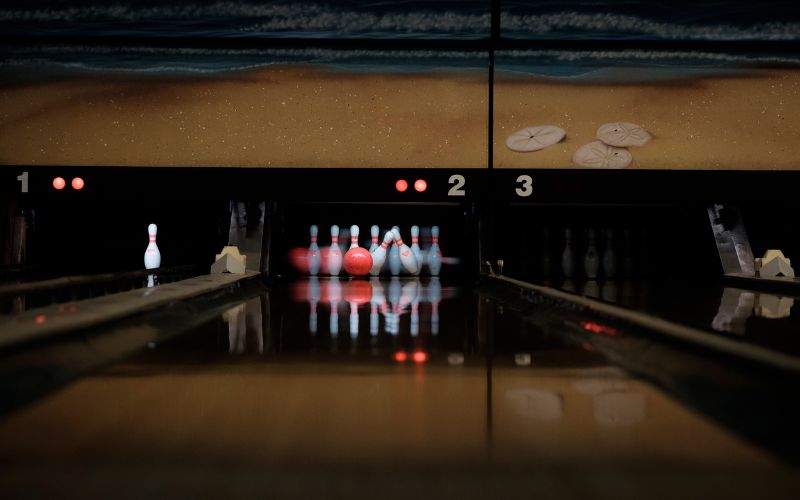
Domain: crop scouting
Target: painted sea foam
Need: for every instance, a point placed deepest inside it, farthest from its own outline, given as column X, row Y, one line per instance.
column 454, row 19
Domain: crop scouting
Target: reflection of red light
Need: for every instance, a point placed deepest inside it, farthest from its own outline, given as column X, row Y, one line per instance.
column 420, row 357
column 401, row 185
column 40, row 319
column 77, row 183
column 59, row 183
column 598, row 328
column 400, row 356
column 420, row 185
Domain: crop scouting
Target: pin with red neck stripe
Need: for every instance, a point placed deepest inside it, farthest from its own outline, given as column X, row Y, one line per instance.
column 152, row 256
column 407, row 258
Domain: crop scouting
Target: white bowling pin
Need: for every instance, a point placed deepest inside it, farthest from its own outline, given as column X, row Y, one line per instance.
column 434, row 257
column 152, row 256
column 591, row 261
column 379, row 254
column 415, row 248
column 407, row 257
column 314, row 256
column 354, row 232
column 567, row 262
column 335, row 253
column 394, row 256
column 334, row 296
column 609, row 257
column 374, row 234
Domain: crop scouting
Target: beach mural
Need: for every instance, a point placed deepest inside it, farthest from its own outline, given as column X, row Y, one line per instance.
column 224, row 87
column 650, row 110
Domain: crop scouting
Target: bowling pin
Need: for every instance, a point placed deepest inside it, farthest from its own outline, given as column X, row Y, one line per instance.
column 434, row 257
column 591, row 261
column 379, row 254
column 354, row 232
column 609, row 257
column 394, row 255
column 152, row 256
column 314, row 256
column 374, row 233
column 407, row 258
column 416, row 249
column 334, row 296
column 335, row 254
column 567, row 261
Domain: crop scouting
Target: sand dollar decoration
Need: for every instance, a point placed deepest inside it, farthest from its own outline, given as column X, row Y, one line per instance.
column 535, row 138
column 623, row 134
column 598, row 154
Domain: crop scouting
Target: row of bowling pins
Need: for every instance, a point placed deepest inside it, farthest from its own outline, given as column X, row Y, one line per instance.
column 593, row 262
column 391, row 303
column 391, row 253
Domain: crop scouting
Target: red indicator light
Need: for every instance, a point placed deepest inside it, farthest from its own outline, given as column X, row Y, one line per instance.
column 400, row 356
column 77, row 183
column 598, row 328
column 401, row 185
column 40, row 319
column 59, row 183
column 420, row 357
column 420, row 185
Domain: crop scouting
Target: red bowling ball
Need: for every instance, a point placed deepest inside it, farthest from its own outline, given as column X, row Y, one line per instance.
column 357, row 261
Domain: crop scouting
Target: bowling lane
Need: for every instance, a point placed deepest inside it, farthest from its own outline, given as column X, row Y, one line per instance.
column 427, row 377
column 756, row 317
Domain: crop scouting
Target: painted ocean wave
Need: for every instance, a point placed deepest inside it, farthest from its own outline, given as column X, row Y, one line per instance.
column 469, row 19
column 41, row 62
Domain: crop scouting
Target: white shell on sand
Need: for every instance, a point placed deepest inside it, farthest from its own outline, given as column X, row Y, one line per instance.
column 623, row 134
column 535, row 138
column 599, row 154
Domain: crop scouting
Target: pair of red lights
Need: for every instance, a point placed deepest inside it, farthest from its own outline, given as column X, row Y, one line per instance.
column 417, row 356
column 419, row 185
column 59, row 183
